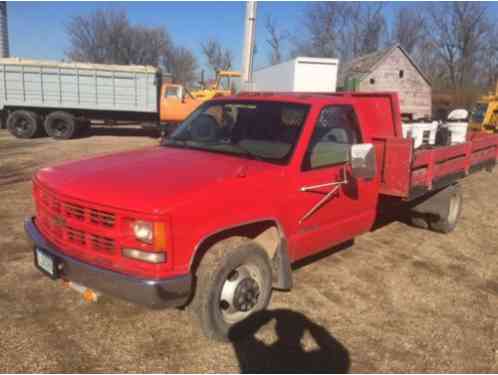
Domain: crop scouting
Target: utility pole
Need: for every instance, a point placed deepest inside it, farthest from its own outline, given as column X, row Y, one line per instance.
column 248, row 48
column 4, row 33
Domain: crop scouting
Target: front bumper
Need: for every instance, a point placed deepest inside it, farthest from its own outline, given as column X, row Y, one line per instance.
column 154, row 294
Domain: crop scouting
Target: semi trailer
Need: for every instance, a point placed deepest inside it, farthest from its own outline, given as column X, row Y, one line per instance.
column 61, row 99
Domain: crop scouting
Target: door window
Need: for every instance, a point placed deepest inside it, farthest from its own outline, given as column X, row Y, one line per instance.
column 172, row 92
column 334, row 133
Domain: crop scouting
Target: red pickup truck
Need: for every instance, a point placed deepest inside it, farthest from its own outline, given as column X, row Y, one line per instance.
column 247, row 185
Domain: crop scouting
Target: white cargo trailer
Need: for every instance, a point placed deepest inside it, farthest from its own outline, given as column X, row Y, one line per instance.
column 61, row 98
column 302, row 74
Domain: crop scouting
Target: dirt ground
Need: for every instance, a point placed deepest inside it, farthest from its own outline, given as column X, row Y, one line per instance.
column 400, row 299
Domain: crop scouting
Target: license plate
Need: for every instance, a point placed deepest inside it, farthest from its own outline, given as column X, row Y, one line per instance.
column 45, row 262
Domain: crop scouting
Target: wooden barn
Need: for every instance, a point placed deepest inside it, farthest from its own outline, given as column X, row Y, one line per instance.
column 390, row 69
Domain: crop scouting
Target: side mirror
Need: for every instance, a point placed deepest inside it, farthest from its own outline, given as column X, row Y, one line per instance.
column 363, row 161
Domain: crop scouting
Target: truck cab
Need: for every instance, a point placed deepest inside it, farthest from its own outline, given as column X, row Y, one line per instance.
column 244, row 187
column 177, row 102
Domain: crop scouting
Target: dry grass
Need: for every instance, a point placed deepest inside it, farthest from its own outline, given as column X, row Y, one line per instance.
column 400, row 299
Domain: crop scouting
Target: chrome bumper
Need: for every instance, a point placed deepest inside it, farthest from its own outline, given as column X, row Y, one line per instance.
column 154, row 294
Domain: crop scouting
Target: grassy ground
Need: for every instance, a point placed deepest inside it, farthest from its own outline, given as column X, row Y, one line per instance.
column 400, row 299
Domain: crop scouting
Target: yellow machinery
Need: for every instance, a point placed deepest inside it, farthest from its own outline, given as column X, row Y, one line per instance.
column 177, row 102
column 484, row 116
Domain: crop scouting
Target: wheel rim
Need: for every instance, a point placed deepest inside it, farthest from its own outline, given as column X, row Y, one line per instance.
column 59, row 127
column 240, row 293
column 21, row 125
column 454, row 208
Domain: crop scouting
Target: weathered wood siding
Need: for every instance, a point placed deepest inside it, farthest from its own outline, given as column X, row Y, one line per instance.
column 414, row 91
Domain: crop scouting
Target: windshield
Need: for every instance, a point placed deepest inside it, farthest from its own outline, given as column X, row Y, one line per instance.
column 478, row 113
column 262, row 130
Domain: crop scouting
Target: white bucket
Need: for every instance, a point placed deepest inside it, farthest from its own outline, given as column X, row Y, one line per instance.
column 458, row 131
column 457, row 124
column 423, row 133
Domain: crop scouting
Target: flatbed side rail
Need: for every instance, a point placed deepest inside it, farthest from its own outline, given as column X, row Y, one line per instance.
column 438, row 167
column 407, row 173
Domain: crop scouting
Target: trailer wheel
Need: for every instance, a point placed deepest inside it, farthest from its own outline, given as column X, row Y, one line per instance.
column 447, row 223
column 61, row 125
column 234, row 280
column 24, row 124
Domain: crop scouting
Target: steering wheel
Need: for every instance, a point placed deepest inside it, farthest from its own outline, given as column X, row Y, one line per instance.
column 204, row 128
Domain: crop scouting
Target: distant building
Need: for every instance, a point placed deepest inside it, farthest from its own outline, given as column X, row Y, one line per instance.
column 390, row 69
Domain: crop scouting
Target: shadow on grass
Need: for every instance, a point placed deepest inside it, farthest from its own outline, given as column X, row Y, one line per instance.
column 287, row 354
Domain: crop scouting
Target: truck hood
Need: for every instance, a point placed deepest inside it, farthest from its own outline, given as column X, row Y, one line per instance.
column 148, row 180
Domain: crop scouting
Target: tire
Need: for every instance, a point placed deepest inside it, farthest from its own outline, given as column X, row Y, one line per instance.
column 448, row 222
column 61, row 125
column 234, row 280
column 24, row 124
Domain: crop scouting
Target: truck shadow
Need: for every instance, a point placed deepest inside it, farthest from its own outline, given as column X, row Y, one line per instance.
column 287, row 354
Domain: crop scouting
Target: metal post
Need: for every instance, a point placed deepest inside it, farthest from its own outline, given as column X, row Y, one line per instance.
column 248, row 49
column 4, row 34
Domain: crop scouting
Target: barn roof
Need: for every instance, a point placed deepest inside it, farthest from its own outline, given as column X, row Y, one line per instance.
column 361, row 66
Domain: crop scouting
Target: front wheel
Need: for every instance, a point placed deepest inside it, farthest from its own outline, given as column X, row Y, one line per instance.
column 234, row 280
column 24, row 124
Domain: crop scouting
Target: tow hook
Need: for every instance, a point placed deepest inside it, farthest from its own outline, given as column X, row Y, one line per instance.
column 88, row 294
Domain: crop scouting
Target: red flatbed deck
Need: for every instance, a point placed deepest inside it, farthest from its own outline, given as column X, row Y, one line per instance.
column 408, row 173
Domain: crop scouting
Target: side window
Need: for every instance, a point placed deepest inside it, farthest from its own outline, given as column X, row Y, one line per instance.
column 335, row 131
column 172, row 91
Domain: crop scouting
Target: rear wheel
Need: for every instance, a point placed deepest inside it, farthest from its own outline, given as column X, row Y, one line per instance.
column 61, row 125
column 419, row 221
column 234, row 280
column 24, row 124
column 447, row 223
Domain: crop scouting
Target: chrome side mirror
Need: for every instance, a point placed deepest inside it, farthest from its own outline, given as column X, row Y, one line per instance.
column 363, row 161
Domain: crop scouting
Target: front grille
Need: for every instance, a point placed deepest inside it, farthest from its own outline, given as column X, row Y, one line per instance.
column 74, row 225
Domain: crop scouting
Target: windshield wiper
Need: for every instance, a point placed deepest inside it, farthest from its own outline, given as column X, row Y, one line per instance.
column 205, row 145
column 246, row 151
column 174, row 141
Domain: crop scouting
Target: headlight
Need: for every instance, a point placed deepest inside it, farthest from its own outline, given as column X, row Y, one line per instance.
column 144, row 231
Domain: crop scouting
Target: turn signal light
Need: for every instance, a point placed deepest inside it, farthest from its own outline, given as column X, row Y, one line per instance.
column 144, row 256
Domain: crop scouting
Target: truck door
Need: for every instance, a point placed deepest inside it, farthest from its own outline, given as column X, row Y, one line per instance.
column 331, row 207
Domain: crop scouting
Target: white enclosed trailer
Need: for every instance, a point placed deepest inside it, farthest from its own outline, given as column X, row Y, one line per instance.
column 302, row 74
column 61, row 98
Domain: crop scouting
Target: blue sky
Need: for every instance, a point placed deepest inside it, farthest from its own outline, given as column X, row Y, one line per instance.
column 37, row 29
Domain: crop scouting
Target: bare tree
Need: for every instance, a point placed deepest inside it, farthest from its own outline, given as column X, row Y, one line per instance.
column 98, row 37
column 182, row 64
column 218, row 57
column 488, row 64
column 275, row 40
column 341, row 29
column 458, row 31
column 409, row 29
column 369, row 26
column 108, row 37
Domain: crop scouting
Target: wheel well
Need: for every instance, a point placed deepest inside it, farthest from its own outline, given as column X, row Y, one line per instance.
column 268, row 235
column 265, row 233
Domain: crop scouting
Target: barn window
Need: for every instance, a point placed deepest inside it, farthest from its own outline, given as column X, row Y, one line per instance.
column 372, row 81
column 401, row 73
